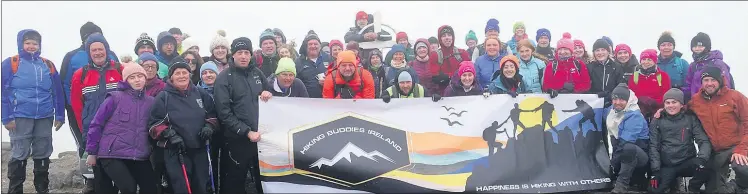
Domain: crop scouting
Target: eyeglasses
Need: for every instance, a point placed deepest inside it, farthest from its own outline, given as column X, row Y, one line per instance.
column 150, row 67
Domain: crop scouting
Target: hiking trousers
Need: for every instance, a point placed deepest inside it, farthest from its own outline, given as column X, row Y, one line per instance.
column 130, row 174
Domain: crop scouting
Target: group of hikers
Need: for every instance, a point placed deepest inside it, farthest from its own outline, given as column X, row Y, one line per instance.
column 171, row 121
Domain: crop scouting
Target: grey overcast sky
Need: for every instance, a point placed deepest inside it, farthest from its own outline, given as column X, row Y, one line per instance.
column 636, row 23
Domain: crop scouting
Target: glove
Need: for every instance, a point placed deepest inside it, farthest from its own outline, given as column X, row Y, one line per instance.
column 486, row 93
column 441, row 79
column 699, row 163
column 553, row 93
column 175, row 141
column 602, row 94
column 436, row 97
column 512, row 93
column 206, row 133
column 345, row 91
column 653, row 180
column 568, row 87
column 386, row 98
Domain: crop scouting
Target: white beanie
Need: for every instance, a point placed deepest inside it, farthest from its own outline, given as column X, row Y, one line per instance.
column 189, row 42
column 220, row 40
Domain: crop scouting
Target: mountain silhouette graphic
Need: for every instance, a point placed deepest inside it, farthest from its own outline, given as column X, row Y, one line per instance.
column 348, row 150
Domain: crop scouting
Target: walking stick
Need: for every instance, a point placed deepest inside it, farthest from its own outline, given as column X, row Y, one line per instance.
column 184, row 172
column 210, row 167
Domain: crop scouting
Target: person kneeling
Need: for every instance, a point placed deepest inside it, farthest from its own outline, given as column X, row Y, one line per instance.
column 406, row 89
column 671, row 146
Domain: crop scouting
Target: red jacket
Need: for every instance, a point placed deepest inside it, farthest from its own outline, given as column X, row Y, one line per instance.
column 85, row 91
column 648, row 86
column 566, row 71
column 365, row 92
column 724, row 117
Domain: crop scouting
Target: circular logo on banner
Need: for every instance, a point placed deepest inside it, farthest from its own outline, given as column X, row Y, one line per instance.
column 348, row 150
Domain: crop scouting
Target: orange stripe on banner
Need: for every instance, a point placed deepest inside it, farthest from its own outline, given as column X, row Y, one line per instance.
column 442, row 143
column 270, row 166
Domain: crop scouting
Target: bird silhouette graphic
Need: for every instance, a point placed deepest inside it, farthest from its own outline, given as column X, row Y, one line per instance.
column 451, row 123
column 448, row 108
column 458, row 114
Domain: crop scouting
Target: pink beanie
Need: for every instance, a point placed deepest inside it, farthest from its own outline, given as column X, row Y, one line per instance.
column 466, row 66
column 624, row 47
column 579, row 43
column 131, row 68
column 565, row 43
column 649, row 54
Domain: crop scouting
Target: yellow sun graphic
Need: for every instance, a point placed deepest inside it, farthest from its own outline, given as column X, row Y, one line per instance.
column 532, row 119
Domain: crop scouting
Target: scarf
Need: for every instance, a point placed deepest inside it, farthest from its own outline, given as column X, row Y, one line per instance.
column 467, row 89
column 511, row 83
column 423, row 59
column 544, row 50
column 701, row 56
column 396, row 65
column 650, row 71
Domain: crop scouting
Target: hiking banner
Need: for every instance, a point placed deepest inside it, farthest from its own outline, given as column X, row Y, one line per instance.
column 499, row 144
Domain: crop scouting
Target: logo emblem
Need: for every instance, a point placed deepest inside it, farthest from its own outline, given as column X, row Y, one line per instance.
column 111, row 79
column 348, row 150
column 199, row 102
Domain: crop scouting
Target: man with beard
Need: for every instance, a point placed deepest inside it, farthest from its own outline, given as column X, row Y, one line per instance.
column 628, row 136
column 310, row 66
column 266, row 57
column 349, row 81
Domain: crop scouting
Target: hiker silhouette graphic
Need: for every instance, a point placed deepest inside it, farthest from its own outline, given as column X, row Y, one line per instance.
column 514, row 115
column 587, row 113
column 489, row 134
column 547, row 109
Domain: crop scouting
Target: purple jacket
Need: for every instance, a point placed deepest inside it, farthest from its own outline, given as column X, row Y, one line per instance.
column 693, row 78
column 154, row 86
column 120, row 128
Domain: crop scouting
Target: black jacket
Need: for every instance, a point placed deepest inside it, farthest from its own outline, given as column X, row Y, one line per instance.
column 188, row 112
column 604, row 77
column 671, row 140
column 236, row 93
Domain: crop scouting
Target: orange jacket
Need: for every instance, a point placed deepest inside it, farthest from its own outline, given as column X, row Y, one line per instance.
column 365, row 92
column 725, row 119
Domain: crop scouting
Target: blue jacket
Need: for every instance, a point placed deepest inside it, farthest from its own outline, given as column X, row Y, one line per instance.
column 485, row 66
column 307, row 71
column 512, row 45
column 633, row 126
column 74, row 60
column 676, row 68
column 31, row 92
column 531, row 72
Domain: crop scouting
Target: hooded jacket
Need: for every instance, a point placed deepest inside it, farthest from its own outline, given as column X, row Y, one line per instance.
column 392, row 71
column 604, row 77
column 185, row 112
column 531, row 72
column 724, row 117
column 154, row 86
column 360, row 76
column 236, row 92
column 566, row 71
column 267, row 64
column 307, row 70
column 450, row 63
column 74, row 60
column 649, row 86
column 674, row 66
column 162, row 57
column 422, row 68
column 87, row 93
column 379, row 74
column 693, row 78
column 35, row 90
column 512, row 44
column 671, row 140
column 626, row 126
column 120, row 127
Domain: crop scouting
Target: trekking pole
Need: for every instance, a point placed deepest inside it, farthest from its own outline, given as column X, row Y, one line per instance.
column 210, row 166
column 184, row 172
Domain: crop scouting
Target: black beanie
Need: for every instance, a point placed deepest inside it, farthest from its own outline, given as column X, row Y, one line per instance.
column 241, row 43
column 177, row 65
column 175, row 30
column 665, row 37
column 600, row 43
column 715, row 73
column 702, row 39
column 433, row 40
column 89, row 28
column 621, row 92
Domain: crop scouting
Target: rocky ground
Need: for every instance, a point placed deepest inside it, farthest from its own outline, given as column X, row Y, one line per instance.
column 64, row 176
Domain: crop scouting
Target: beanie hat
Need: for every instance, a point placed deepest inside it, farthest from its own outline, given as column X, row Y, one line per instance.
column 130, row 69
column 433, row 40
column 518, row 25
column 241, row 43
column 178, row 64
column 353, row 46
column 89, row 28
column 649, row 54
column 286, row 65
column 623, row 47
column 362, row 15
column 347, row 57
column 674, row 93
column 579, row 43
column 420, row 44
column 508, row 58
column 492, row 24
column 446, row 29
column 621, row 92
column 666, row 36
column 219, row 40
column 566, row 35
column 466, row 66
column 311, row 35
column 703, row 40
column 401, row 35
column 144, row 39
column 607, row 39
column 525, row 43
column 210, row 65
column 267, row 34
column 279, row 32
column 404, row 76
column 565, row 43
column 543, row 32
column 335, row 43
column 713, row 72
column 175, row 30
column 189, row 43
column 146, row 56
column 471, row 36
column 600, row 43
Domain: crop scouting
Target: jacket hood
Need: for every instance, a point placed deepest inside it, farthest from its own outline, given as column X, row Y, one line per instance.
column 163, row 38
column 96, row 38
column 126, row 87
column 715, row 54
column 377, row 53
column 445, row 29
column 279, row 32
column 424, row 41
column 24, row 54
column 633, row 103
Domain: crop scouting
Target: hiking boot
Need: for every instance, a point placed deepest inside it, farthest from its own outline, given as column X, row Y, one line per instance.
column 89, row 188
column 41, row 175
column 620, row 188
column 16, row 175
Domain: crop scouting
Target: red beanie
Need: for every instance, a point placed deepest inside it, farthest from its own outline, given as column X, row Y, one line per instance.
column 361, row 15
column 565, row 43
column 649, row 54
column 401, row 35
column 625, row 47
column 579, row 43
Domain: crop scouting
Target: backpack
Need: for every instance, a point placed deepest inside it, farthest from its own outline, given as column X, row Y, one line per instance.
column 257, row 55
column 455, row 53
column 360, row 86
column 636, row 78
column 15, row 60
column 117, row 66
column 576, row 64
